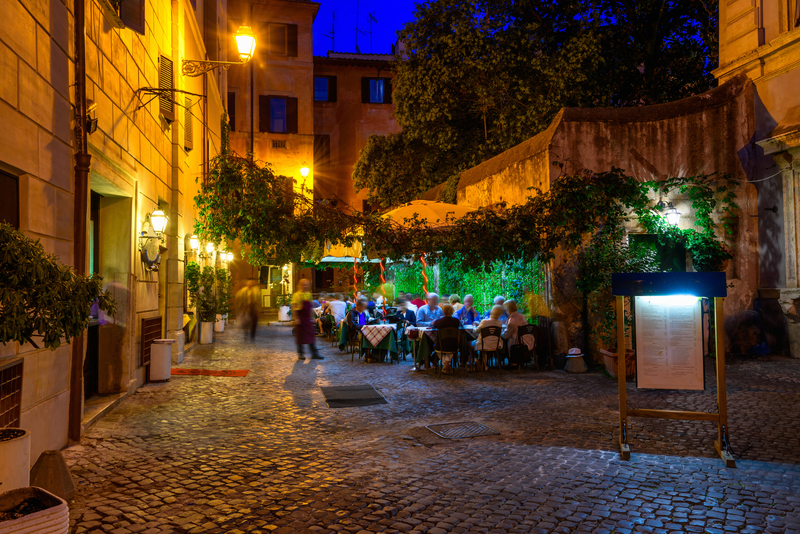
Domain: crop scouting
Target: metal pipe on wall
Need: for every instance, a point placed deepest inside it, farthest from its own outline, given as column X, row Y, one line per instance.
column 82, row 166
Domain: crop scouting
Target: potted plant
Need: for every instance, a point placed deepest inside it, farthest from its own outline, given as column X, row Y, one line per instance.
column 15, row 443
column 39, row 298
column 285, row 310
column 31, row 509
column 224, row 296
column 200, row 284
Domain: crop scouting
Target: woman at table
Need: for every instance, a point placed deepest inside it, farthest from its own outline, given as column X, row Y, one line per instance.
column 455, row 302
column 515, row 320
column 493, row 343
column 468, row 315
column 302, row 310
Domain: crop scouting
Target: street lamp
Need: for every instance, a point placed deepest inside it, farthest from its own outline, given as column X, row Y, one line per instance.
column 209, row 248
column 229, row 256
column 245, row 43
column 194, row 242
column 672, row 214
column 304, row 170
column 158, row 220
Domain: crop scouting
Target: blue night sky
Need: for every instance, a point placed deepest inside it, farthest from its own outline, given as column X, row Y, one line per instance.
column 391, row 17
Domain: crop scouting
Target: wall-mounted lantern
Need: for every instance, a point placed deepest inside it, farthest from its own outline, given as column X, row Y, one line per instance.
column 672, row 214
column 246, row 45
column 194, row 242
column 150, row 244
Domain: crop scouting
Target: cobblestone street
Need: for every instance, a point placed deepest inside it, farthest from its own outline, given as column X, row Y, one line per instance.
column 264, row 453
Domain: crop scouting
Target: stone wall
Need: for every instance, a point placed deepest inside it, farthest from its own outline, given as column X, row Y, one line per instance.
column 706, row 133
column 140, row 162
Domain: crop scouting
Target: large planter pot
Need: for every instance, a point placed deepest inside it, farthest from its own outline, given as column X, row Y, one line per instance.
column 54, row 519
column 15, row 458
column 206, row 332
column 610, row 359
column 219, row 324
column 283, row 314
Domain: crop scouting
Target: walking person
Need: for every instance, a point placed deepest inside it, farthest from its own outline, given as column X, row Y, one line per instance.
column 302, row 311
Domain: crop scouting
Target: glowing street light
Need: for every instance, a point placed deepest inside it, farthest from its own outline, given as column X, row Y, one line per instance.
column 158, row 219
column 304, row 170
column 246, row 43
column 194, row 242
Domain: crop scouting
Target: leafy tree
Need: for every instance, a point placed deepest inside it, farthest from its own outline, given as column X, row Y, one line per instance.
column 481, row 76
column 40, row 297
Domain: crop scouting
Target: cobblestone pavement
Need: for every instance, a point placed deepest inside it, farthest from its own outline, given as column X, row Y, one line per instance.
column 264, row 453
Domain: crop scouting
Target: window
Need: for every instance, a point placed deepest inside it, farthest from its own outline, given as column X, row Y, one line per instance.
column 281, row 39
column 277, row 114
column 232, row 111
column 131, row 13
column 166, row 80
column 325, row 88
column 10, row 394
column 376, row 90
column 322, row 150
column 279, row 143
column 9, row 192
column 188, row 125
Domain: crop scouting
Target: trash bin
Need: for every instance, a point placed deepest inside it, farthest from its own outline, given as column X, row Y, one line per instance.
column 161, row 360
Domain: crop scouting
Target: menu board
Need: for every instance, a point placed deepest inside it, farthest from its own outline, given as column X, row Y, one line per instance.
column 669, row 343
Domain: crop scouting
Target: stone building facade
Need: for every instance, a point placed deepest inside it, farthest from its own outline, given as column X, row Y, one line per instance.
column 154, row 130
column 294, row 111
column 762, row 41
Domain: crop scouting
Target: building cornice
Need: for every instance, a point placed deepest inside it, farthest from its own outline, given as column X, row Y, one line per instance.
column 780, row 143
column 756, row 63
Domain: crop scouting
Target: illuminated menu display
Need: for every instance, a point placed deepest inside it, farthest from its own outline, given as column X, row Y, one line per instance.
column 669, row 343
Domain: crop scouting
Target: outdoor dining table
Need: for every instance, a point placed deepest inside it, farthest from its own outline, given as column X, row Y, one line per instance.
column 380, row 336
column 423, row 346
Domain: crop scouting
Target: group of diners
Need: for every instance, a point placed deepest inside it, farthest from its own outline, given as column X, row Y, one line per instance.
column 432, row 313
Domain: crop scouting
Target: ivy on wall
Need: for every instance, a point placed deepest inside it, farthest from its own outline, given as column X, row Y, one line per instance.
column 245, row 200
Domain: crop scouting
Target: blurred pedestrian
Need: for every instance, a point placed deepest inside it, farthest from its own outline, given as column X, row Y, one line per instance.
column 303, row 314
column 248, row 304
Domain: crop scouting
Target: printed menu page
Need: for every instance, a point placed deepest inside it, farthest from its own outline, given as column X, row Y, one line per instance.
column 669, row 343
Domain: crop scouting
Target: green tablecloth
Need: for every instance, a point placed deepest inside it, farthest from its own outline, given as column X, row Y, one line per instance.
column 344, row 331
column 388, row 343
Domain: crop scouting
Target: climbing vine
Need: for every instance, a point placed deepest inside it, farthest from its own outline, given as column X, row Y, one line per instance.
column 277, row 222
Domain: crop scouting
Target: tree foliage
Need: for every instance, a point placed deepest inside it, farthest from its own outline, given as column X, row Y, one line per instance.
column 40, row 297
column 481, row 76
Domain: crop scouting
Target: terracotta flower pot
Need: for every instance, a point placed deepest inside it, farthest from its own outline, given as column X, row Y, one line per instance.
column 610, row 359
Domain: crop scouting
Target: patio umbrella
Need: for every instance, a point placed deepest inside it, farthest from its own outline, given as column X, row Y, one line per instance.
column 341, row 251
column 435, row 215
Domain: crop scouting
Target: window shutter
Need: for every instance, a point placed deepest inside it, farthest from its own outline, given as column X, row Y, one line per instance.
column 291, row 40
column 131, row 12
column 166, row 81
column 291, row 115
column 232, row 111
column 263, row 113
column 365, row 90
column 188, row 125
column 387, row 90
column 331, row 88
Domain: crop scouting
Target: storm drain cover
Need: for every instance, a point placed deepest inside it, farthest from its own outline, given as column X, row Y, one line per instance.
column 464, row 429
column 352, row 396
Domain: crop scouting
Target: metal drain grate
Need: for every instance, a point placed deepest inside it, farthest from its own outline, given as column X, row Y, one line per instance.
column 464, row 429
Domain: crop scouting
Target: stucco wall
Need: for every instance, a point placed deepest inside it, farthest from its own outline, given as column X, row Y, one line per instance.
column 349, row 123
